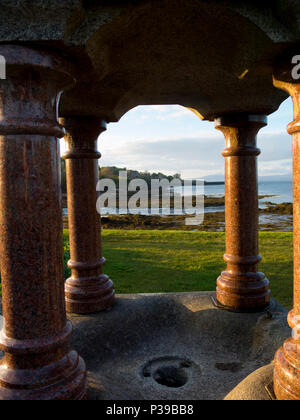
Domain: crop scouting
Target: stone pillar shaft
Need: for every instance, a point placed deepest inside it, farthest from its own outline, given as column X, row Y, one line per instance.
column 88, row 290
column 241, row 287
column 287, row 359
column 38, row 364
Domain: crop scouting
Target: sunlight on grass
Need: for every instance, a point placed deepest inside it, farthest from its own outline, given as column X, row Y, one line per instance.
column 173, row 261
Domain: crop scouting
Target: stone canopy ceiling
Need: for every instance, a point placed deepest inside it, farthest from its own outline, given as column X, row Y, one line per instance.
column 213, row 56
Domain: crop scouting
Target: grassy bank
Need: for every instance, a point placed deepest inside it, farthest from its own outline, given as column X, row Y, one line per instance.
column 177, row 261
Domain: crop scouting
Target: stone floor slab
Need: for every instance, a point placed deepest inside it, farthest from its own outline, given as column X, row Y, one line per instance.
column 256, row 387
column 174, row 346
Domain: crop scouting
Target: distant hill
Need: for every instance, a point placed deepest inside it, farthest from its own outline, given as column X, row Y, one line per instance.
column 112, row 172
column 214, row 183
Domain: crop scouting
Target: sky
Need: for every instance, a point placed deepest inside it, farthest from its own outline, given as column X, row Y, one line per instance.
column 171, row 139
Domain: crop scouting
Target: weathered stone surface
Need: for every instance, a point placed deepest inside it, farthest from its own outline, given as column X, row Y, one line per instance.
column 215, row 56
column 78, row 20
column 287, row 359
column 256, row 387
column 37, row 20
column 141, row 58
column 223, row 348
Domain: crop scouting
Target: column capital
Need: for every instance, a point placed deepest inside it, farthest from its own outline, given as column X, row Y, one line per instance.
column 17, row 57
column 29, row 71
column 294, row 91
column 286, row 73
column 91, row 125
column 241, row 120
column 240, row 132
column 82, row 132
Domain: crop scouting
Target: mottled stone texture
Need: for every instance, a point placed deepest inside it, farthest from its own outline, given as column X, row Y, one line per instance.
column 193, row 53
column 241, row 287
column 213, row 56
column 88, row 290
column 224, row 347
column 38, row 365
column 287, row 359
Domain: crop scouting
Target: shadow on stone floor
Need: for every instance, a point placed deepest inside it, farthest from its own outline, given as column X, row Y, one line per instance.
column 164, row 331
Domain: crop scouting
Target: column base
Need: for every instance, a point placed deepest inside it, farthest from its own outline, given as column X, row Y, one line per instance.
column 218, row 305
column 287, row 367
column 87, row 296
column 287, row 373
column 244, row 292
column 63, row 380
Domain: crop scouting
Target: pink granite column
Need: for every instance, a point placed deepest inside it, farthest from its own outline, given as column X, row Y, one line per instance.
column 88, row 290
column 287, row 359
column 241, row 287
column 38, row 364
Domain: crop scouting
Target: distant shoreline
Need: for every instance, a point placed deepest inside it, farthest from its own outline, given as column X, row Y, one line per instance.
column 209, row 202
column 214, row 183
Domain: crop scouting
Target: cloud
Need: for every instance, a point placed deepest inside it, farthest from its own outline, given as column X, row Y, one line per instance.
column 276, row 168
column 172, row 139
column 161, row 112
column 275, row 146
column 196, row 156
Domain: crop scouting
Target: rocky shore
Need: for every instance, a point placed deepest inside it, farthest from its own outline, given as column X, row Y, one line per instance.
column 273, row 217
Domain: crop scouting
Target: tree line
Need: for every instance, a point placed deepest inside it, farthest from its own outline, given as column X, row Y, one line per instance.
column 112, row 172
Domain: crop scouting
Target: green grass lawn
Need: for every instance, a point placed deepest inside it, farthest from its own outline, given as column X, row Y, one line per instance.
column 175, row 261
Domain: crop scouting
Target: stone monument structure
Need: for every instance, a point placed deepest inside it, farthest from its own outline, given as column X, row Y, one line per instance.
column 87, row 63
